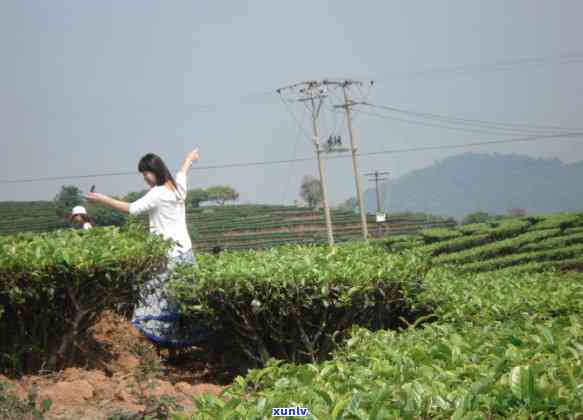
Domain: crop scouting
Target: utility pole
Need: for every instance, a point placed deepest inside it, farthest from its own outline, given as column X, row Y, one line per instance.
column 377, row 177
column 381, row 218
column 348, row 104
column 312, row 95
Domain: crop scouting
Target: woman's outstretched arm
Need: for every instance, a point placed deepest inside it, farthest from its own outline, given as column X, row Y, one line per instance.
column 191, row 157
column 109, row 202
column 144, row 204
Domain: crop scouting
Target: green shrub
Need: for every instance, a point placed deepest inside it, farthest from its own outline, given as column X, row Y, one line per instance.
column 475, row 228
column 476, row 217
column 562, row 265
column 495, row 249
column 12, row 407
column 554, row 243
column 439, row 234
column 509, row 227
column 457, row 244
column 295, row 302
column 398, row 242
column 562, row 221
column 576, row 229
column 505, row 346
column 53, row 286
column 515, row 370
column 525, row 258
column 488, row 298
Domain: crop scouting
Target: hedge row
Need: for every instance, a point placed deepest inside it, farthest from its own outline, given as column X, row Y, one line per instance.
column 503, row 346
column 257, row 245
column 554, row 243
column 53, row 286
column 296, row 302
column 562, row 221
column 314, row 240
column 552, row 254
column 477, row 237
column 568, row 264
column 458, row 244
column 438, row 234
column 263, row 239
column 498, row 248
column 276, row 235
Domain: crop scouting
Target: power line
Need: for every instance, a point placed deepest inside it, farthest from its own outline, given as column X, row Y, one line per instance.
column 312, row 94
column 571, row 58
column 298, row 123
column 261, row 97
column 111, row 174
column 447, row 127
column 290, row 169
column 468, row 121
column 558, row 136
column 565, row 136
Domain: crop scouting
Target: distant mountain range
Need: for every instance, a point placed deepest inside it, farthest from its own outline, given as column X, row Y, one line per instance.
column 495, row 183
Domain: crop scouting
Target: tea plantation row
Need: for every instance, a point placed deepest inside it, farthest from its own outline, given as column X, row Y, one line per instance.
column 479, row 345
column 501, row 345
column 523, row 244
column 291, row 302
column 53, row 287
column 234, row 226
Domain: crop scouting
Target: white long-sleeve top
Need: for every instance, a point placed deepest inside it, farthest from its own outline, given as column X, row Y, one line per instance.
column 167, row 213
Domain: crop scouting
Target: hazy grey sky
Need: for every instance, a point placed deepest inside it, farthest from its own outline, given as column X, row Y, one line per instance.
column 90, row 86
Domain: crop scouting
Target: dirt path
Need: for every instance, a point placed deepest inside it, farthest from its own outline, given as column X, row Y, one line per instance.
column 123, row 374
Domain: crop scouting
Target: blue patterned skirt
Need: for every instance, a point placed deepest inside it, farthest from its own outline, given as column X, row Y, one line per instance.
column 157, row 316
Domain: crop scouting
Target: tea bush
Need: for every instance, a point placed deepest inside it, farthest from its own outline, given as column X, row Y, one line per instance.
column 296, row 302
column 439, row 234
column 503, row 346
column 54, row 285
column 523, row 244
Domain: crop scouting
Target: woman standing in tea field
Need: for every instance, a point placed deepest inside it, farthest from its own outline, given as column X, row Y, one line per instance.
column 156, row 317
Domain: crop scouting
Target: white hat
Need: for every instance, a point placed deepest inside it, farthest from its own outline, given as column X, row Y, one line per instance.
column 78, row 210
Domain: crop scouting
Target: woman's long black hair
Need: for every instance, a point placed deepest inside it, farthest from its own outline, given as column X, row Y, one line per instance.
column 154, row 163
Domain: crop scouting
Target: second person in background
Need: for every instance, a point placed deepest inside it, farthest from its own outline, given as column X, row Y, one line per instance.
column 80, row 219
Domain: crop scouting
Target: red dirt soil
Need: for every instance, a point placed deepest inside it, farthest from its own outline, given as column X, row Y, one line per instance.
column 119, row 374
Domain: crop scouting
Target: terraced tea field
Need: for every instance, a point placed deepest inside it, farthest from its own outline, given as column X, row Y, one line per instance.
column 237, row 226
column 528, row 244
column 255, row 226
column 351, row 332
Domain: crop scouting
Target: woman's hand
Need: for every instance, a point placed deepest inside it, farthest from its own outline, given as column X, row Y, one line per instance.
column 193, row 156
column 96, row 197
